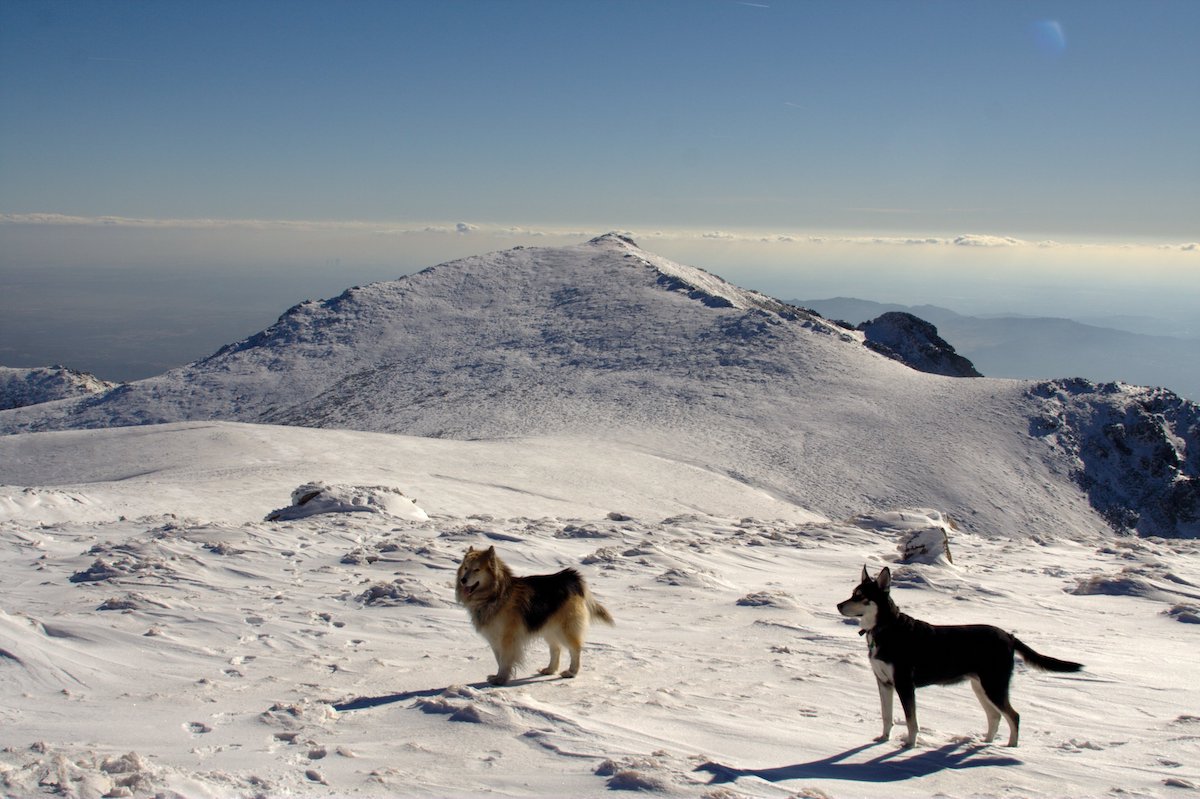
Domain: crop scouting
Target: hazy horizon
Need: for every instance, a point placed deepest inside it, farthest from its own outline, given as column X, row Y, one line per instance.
column 160, row 309
column 175, row 180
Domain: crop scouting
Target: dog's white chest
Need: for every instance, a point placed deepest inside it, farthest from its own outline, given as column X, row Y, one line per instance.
column 884, row 672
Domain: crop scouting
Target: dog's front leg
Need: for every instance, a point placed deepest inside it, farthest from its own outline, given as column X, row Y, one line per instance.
column 885, row 708
column 507, row 652
column 503, row 668
column 908, row 700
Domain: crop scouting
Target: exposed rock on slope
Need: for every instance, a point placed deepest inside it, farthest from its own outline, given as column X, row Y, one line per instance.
column 1133, row 450
column 22, row 387
column 915, row 342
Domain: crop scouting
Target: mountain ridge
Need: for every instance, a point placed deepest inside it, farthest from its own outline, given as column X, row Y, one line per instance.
column 22, row 387
column 605, row 341
column 1043, row 347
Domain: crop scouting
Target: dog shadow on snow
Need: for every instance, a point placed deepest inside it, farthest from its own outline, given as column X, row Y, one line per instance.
column 368, row 702
column 895, row 765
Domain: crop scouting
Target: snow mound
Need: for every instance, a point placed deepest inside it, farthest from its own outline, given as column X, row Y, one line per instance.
column 46, row 505
column 1146, row 580
column 922, row 534
column 312, row 499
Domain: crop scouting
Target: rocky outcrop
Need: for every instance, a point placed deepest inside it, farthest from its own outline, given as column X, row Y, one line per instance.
column 1134, row 450
column 23, row 387
column 915, row 342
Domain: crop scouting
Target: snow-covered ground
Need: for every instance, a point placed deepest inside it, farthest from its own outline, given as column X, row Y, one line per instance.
column 158, row 636
column 605, row 341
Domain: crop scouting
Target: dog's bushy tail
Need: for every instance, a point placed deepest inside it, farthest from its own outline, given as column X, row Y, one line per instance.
column 599, row 612
column 1044, row 662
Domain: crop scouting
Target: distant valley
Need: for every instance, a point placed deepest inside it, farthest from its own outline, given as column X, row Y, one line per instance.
column 1042, row 347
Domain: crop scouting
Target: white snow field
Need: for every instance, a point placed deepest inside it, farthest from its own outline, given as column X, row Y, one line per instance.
column 159, row 638
column 236, row 579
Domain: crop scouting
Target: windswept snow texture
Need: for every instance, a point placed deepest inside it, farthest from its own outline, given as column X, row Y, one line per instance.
column 159, row 638
column 604, row 341
column 22, row 387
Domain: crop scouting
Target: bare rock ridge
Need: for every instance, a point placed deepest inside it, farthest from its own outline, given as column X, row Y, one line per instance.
column 606, row 341
column 1134, row 452
column 915, row 342
column 22, row 387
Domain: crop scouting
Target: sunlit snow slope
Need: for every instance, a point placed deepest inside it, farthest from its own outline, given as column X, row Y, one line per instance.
column 605, row 342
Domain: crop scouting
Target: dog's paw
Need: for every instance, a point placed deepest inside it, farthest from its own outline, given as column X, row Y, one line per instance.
column 882, row 739
column 546, row 671
column 568, row 674
column 497, row 679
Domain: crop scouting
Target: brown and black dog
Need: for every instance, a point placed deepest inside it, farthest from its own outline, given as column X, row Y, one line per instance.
column 508, row 611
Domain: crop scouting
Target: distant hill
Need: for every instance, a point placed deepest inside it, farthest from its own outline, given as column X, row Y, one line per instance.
column 604, row 341
column 22, row 387
column 1042, row 347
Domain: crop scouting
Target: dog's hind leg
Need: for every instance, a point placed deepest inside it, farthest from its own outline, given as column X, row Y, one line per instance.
column 908, row 700
column 996, row 690
column 555, row 654
column 573, row 630
column 1014, row 722
column 992, row 712
column 574, row 641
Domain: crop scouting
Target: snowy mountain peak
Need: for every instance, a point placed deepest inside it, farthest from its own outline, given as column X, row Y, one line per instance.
column 615, row 238
column 698, row 283
column 605, row 341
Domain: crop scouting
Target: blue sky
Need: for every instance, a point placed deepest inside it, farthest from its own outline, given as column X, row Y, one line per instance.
column 776, row 143
column 1048, row 119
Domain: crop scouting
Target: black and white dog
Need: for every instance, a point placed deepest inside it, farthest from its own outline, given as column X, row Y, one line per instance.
column 907, row 653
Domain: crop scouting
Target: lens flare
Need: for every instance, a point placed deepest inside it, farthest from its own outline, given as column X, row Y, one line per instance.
column 1049, row 36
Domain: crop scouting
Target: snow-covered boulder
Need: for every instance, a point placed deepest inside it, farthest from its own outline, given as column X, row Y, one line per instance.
column 922, row 535
column 312, row 499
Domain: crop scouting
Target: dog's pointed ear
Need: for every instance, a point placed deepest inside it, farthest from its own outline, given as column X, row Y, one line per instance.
column 470, row 549
column 491, row 552
column 866, row 578
column 884, row 580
